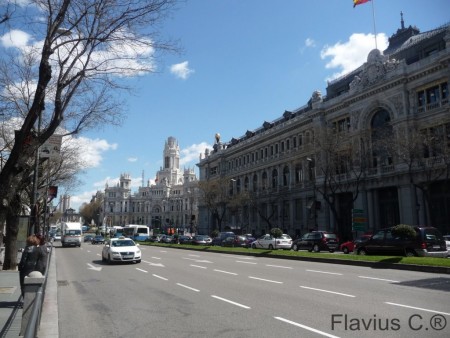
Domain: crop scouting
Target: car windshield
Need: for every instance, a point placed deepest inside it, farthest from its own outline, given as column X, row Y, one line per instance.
column 433, row 234
column 284, row 236
column 330, row 235
column 123, row 243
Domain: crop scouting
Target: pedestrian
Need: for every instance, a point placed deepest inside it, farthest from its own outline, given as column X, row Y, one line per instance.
column 34, row 258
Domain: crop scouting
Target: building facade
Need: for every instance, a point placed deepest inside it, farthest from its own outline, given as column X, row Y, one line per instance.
column 373, row 152
column 169, row 203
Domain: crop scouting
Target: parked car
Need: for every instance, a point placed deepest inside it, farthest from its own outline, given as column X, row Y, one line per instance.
column 447, row 242
column 235, row 241
column 121, row 249
column 88, row 238
column 185, row 239
column 98, row 240
column 201, row 240
column 349, row 246
column 154, row 238
column 166, row 239
column 269, row 242
column 221, row 236
column 316, row 241
column 249, row 239
column 427, row 242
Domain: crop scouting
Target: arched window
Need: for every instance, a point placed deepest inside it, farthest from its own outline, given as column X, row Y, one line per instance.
column 255, row 182
column 274, row 178
column 238, row 185
column 286, row 176
column 381, row 134
column 299, row 176
column 264, row 180
column 246, row 184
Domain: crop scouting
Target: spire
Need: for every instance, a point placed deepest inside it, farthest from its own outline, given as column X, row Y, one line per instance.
column 401, row 21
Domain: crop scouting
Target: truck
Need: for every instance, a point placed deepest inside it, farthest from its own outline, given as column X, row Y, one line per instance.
column 71, row 234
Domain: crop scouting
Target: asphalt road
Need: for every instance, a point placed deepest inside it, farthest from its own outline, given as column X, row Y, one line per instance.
column 181, row 293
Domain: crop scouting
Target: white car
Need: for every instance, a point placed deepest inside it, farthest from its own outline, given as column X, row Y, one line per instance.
column 447, row 243
column 269, row 242
column 121, row 249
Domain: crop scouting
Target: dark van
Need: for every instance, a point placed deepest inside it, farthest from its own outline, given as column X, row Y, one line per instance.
column 427, row 242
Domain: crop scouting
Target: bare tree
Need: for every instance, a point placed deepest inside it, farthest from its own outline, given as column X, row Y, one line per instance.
column 67, row 79
column 425, row 154
column 216, row 195
column 339, row 167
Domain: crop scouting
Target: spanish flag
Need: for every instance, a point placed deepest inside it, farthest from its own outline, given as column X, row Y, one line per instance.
column 359, row 2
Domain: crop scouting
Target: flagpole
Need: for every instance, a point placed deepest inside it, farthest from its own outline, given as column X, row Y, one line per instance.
column 374, row 28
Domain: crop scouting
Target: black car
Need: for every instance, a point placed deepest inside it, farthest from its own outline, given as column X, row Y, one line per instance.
column 185, row 239
column 235, row 241
column 427, row 242
column 98, row 240
column 316, row 241
column 88, row 238
column 222, row 235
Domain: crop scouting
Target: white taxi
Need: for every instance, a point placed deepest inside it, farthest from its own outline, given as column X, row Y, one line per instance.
column 121, row 249
column 269, row 242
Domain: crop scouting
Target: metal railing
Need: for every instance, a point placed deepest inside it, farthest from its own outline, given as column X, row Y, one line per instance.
column 35, row 317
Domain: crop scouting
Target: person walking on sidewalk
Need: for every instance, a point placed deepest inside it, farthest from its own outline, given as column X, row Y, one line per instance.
column 34, row 258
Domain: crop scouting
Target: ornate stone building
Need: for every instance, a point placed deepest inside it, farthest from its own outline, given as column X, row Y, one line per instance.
column 373, row 152
column 170, row 202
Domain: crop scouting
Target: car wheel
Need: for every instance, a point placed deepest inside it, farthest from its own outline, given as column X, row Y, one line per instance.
column 410, row 253
column 253, row 246
column 345, row 250
column 316, row 248
column 270, row 247
column 362, row 252
column 295, row 247
column 138, row 261
column 331, row 251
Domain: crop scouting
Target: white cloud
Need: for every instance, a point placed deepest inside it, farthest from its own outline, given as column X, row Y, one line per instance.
column 349, row 55
column 310, row 42
column 181, row 70
column 15, row 38
column 91, row 150
column 192, row 153
column 132, row 159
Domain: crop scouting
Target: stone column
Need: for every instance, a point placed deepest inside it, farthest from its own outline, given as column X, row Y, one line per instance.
column 32, row 284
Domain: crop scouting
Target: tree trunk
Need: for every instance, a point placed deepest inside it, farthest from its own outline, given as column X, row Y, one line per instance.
column 12, row 228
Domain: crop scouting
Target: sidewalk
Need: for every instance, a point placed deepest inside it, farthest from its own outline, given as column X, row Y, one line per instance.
column 11, row 304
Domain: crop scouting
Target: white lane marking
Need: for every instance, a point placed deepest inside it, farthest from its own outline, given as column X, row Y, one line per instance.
column 154, row 264
column 188, row 287
column 419, row 308
column 382, row 279
column 142, row 270
column 92, row 267
column 333, row 292
column 88, row 250
column 240, row 257
column 306, row 327
column 156, row 257
column 98, row 255
column 198, row 266
column 194, row 255
column 246, row 262
column 230, row 273
column 329, row 273
column 163, row 251
column 197, row 260
column 279, row 266
column 265, row 280
column 159, row 277
column 231, row 302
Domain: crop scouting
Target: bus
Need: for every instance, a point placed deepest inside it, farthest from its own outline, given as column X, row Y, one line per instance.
column 136, row 232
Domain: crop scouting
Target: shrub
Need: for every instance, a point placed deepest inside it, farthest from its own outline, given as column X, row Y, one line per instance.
column 276, row 232
column 214, row 233
column 403, row 230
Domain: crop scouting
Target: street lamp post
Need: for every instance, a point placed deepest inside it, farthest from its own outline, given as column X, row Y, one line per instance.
column 313, row 178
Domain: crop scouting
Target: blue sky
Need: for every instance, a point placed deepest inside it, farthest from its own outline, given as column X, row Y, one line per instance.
column 243, row 62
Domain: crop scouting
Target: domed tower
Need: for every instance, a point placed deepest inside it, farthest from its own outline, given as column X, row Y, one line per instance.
column 171, row 154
